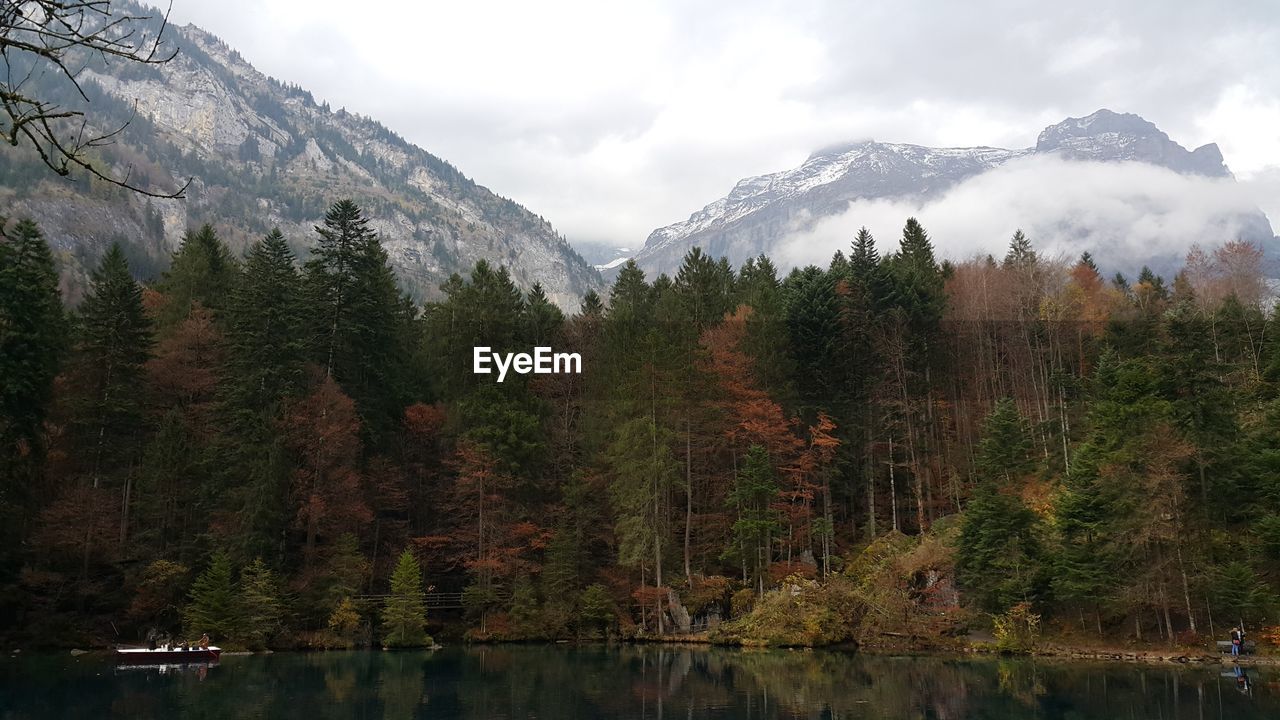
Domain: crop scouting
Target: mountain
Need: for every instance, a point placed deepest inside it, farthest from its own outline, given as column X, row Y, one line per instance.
column 262, row 154
column 761, row 211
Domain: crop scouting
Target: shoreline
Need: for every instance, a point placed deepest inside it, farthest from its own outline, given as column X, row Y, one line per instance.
column 1049, row 651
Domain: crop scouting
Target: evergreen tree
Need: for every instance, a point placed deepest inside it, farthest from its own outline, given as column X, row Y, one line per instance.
column 1087, row 554
column 703, row 290
column 524, row 612
column 997, row 560
column 1020, row 253
column 542, row 318
column 597, row 611
column 360, row 319
column 998, row 554
column 265, row 341
column 754, row 491
column 266, row 349
column 115, row 341
column 813, row 321
column 767, row 339
column 916, row 286
column 260, row 612
column 869, row 284
column 213, row 606
column 591, row 305
column 1004, row 452
column 33, row 336
column 404, row 615
column 201, row 271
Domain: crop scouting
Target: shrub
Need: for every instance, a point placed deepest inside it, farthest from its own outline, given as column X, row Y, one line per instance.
column 1017, row 629
column 802, row 612
column 344, row 624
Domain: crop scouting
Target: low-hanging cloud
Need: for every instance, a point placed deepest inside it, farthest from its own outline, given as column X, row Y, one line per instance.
column 1126, row 214
column 611, row 119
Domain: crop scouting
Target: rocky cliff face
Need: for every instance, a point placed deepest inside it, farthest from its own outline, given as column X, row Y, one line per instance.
column 264, row 154
column 761, row 211
column 1114, row 137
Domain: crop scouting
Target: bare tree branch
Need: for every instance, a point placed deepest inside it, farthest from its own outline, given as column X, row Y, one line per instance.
column 55, row 34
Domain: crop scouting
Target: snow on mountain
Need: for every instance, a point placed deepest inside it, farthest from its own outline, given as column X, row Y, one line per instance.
column 761, row 211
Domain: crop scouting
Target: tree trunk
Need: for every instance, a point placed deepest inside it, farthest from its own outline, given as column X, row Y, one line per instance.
column 1164, row 608
column 871, row 487
column 893, row 487
column 688, row 508
column 1186, row 592
column 124, row 510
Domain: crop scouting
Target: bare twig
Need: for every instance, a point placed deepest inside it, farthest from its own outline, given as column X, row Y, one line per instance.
column 56, row 33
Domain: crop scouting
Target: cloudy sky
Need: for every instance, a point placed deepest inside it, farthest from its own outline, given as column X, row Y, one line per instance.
column 611, row 119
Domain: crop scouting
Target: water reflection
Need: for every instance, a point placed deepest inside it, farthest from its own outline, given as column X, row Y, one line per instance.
column 632, row 682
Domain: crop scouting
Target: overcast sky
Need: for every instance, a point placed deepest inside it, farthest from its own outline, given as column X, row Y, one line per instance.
column 611, row 119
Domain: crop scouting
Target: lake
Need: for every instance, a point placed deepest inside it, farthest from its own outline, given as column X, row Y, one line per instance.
column 551, row 681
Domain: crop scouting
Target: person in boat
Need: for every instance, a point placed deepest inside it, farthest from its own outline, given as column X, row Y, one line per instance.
column 204, row 641
column 1237, row 641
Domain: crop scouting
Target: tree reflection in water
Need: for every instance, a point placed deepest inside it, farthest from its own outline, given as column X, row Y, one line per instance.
column 630, row 682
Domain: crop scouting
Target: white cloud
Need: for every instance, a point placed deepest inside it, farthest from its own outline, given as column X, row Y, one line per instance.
column 611, row 119
column 1125, row 214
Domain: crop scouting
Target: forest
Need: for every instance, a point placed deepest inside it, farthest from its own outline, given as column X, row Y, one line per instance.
column 290, row 452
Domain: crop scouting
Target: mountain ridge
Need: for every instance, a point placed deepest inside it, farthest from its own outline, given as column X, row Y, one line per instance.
column 760, row 211
column 264, row 153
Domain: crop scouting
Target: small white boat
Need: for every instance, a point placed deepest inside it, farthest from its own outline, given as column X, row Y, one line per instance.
column 166, row 656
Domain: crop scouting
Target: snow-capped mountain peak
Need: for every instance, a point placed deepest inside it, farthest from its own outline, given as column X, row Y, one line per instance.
column 760, row 211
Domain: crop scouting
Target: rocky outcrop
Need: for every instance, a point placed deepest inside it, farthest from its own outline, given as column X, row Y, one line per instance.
column 263, row 153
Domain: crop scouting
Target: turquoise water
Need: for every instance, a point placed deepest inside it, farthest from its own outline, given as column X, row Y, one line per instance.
column 553, row 681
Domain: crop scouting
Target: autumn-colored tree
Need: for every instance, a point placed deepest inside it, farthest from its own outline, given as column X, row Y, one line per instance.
column 323, row 432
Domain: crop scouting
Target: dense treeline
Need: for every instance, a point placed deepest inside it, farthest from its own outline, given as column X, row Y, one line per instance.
column 281, row 453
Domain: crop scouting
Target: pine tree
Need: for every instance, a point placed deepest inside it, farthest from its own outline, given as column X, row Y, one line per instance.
column 1085, row 512
column 813, row 321
column 596, row 611
column 404, row 614
column 591, row 305
column 115, row 342
column 1004, row 453
column 864, row 259
column 213, row 606
column 998, row 557
column 867, row 272
column 525, row 613
column 999, row 553
column 542, row 318
column 264, row 330
column 33, row 332
column 360, row 321
column 201, row 271
column 1020, row 253
column 754, row 491
column 703, row 291
column 266, row 351
column 331, row 279
column 767, row 338
column 260, row 612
